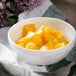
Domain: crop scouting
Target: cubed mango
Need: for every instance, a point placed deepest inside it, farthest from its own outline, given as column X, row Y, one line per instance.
column 21, row 45
column 36, row 39
column 62, row 39
column 32, row 45
column 27, row 28
column 59, row 45
column 44, row 48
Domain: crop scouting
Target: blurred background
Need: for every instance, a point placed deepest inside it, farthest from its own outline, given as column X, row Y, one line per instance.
column 68, row 7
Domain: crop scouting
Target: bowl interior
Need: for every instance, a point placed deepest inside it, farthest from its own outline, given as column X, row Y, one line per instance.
column 68, row 31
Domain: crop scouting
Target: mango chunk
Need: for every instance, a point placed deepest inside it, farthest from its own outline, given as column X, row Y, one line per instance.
column 55, row 42
column 30, row 34
column 36, row 39
column 50, row 45
column 44, row 33
column 25, row 39
column 62, row 39
column 32, row 45
column 56, row 33
column 59, row 45
column 47, row 46
column 40, row 32
column 43, row 28
column 44, row 48
column 21, row 44
column 27, row 28
column 48, row 37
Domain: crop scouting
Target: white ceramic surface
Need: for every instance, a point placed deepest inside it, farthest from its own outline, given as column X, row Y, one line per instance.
column 42, row 57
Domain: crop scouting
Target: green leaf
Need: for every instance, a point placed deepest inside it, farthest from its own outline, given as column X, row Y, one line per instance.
column 67, row 60
column 72, row 71
column 10, row 14
column 12, row 18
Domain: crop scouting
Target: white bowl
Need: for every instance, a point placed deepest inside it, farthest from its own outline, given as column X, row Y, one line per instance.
column 42, row 57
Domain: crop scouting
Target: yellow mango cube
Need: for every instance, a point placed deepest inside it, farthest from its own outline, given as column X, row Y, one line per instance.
column 58, row 34
column 63, row 40
column 55, row 41
column 40, row 32
column 21, row 44
column 22, row 40
column 47, row 29
column 50, row 45
column 48, row 37
column 27, row 28
column 30, row 34
column 44, row 48
column 32, row 45
column 25, row 39
column 36, row 39
column 44, row 33
column 47, row 46
column 43, row 28
column 59, row 45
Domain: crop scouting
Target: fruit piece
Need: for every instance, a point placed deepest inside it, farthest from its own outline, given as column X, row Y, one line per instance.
column 30, row 34
column 21, row 44
column 44, row 48
column 40, row 32
column 44, row 33
column 22, row 40
column 56, row 33
column 48, row 35
column 47, row 46
column 43, row 28
column 55, row 41
column 25, row 39
column 50, row 45
column 59, row 45
column 27, row 28
column 36, row 39
column 63, row 40
column 31, row 45
column 47, row 29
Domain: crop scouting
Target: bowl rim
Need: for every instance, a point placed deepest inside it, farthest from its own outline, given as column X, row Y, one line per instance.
column 43, row 50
